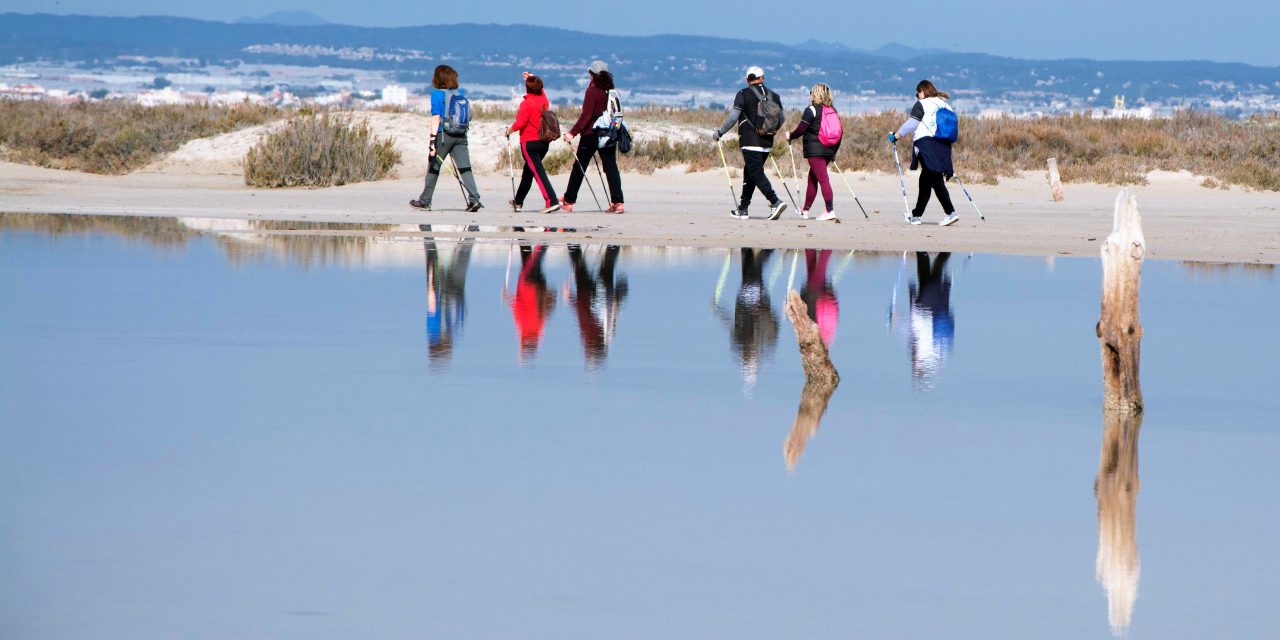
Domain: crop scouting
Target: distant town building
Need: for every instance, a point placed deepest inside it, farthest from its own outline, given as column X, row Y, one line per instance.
column 155, row 97
column 395, row 94
column 22, row 92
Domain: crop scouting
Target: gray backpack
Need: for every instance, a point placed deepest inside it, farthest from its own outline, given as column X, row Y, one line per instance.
column 768, row 114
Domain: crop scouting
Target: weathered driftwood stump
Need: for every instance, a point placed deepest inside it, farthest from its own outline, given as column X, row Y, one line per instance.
column 1055, row 180
column 1119, row 331
column 821, row 380
column 1117, row 491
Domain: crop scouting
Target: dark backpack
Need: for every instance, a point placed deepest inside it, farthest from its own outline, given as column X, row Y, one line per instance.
column 768, row 114
column 457, row 112
column 550, row 128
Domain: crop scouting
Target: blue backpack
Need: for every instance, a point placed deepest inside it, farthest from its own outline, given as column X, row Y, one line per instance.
column 457, row 112
column 948, row 125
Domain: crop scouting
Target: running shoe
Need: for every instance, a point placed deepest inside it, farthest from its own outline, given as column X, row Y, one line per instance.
column 949, row 220
column 474, row 207
column 738, row 214
column 551, row 209
column 776, row 209
column 915, row 219
column 828, row 215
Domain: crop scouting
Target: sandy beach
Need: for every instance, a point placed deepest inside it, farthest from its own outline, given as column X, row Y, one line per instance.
column 1182, row 219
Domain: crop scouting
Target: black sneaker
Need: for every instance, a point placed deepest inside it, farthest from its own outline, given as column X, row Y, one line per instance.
column 738, row 214
column 776, row 209
column 418, row 204
column 474, row 207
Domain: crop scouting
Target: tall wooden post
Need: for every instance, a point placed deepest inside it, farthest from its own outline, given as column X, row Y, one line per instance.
column 1119, row 331
column 1120, row 339
column 1055, row 181
column 820, row 380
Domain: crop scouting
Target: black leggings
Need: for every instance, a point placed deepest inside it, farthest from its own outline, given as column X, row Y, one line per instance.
column 587, row 145
column 534, row 151
column 938, row 183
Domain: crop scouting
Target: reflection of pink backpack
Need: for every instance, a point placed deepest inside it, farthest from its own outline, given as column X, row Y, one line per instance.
column 831, row 130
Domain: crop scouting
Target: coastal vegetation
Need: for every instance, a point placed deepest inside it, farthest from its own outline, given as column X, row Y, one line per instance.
column 319, row 151
column 113, row 137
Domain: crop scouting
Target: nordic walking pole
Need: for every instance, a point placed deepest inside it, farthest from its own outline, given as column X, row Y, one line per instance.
column 511, row 173
column 841, row 268
column 595, row 159
column 506, row 282
column 724, row 273
column 723, row 161
column 966, row 194
column 794, row 173
column 893, row 300
column 578, row 163
column 452, row 166
column 783, row 181
column 906, row 208
column 791, row 279
column 850, row 187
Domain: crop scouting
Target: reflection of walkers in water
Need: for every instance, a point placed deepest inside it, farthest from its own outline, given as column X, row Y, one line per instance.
column 446, row 298
column 755, row 328
column 532, row 302
column 932, row 323
column 819, row 295
column 597, row 300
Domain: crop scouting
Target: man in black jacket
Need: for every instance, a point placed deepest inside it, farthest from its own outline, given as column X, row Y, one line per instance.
column 756, row 143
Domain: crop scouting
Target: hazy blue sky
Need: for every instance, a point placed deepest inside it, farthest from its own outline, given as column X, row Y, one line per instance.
column 1226, row 30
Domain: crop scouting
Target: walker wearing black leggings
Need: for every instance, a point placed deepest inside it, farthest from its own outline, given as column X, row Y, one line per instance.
column 932, row 180
column 534, row 151
column 587, row 146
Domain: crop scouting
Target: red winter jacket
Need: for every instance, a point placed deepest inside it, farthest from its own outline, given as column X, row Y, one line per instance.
column 529, row 117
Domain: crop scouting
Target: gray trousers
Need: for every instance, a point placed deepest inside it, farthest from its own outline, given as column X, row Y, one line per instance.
column 456, row 146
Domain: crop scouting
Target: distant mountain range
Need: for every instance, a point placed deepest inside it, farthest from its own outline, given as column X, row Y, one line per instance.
column 286, row 18
column 494, row 54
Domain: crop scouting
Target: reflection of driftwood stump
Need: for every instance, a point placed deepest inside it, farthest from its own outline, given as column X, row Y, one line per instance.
column 1117, row 491
column 820, row 380
column 813, row 352
column 1119, row 332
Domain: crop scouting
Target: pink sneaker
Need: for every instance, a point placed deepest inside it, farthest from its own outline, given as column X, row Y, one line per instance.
column 566, row 206
column 615, row 207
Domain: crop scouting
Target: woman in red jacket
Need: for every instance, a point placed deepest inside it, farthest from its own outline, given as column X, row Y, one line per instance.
column 532, row 148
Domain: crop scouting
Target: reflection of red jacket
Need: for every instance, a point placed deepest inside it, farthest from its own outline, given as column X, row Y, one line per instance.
column 526, row 306
column 529, row 117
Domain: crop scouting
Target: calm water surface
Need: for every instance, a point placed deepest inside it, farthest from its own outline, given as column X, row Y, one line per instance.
column 238, row 436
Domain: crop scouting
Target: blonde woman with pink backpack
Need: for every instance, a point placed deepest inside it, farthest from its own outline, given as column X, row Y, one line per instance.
column 821, row 132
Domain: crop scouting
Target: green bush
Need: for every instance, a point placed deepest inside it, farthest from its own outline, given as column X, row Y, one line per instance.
column 319, row 152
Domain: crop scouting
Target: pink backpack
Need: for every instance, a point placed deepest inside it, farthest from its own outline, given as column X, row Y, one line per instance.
column 831, row 130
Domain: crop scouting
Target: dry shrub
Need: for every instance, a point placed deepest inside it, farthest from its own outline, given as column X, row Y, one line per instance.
column 113, row 137
column 319, row 151
column 1256, row 174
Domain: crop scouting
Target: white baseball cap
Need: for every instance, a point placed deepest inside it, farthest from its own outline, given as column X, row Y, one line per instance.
column 754, row 72
column 597, row 66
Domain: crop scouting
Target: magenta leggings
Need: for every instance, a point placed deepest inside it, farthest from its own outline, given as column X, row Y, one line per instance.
column 818, row 177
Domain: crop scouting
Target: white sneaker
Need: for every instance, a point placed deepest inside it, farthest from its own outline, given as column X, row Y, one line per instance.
column 914, row 219
column 804, row 214
column 949, row 220
column 828, row 215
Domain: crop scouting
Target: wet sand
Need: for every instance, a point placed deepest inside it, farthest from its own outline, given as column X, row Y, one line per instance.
column 1181, row 219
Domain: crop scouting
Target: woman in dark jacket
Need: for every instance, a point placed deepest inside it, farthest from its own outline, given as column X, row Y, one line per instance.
column 595, row 104
column 819, row 155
